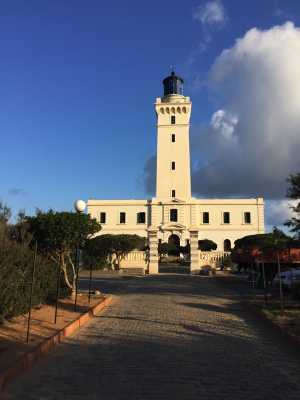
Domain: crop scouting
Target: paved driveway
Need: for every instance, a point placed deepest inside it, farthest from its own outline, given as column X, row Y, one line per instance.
column 167, row 337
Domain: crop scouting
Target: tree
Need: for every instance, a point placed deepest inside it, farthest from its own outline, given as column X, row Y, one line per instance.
column 5, row 214
column 277, row 242
column 293, row 193
column 107, row 246
column 19, row 232
column 58, row 235
column 261, row 247
column 16, row 258
column 96, row 250
column 206, row 245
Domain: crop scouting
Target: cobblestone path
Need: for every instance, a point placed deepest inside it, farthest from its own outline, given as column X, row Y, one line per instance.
column 167, row 337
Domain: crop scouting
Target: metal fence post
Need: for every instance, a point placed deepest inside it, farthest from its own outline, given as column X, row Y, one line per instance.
column 31, row 292
column 57, row 289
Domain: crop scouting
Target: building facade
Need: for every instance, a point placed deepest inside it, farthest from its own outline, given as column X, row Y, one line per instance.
column 174, row 214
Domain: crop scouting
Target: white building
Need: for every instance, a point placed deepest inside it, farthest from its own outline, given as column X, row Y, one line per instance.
column 174, row 214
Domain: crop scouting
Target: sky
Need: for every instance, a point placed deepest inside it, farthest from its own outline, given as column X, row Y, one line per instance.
column 78, row 86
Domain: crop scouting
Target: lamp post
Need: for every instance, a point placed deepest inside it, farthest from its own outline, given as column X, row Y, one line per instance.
column 79, row 206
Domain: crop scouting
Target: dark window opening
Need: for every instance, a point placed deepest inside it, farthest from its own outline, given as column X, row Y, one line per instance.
column 247, row 217
column 173, row 193
column 173, row 138
column 227, row 245
column 173, row 215
column 226, row 217
column 173, row 165
column 102, row 218
column 141, row 218
column 173, row 120
column 122, row 218
column 206, row 217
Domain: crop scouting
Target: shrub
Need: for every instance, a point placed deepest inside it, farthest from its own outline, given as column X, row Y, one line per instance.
column 16, row 263
column 207, row 245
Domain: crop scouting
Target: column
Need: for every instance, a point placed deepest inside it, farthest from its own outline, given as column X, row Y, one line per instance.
column 153, row 253
column 194, row 249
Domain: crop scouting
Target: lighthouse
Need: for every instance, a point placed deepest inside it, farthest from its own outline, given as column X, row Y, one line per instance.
column 173, row 111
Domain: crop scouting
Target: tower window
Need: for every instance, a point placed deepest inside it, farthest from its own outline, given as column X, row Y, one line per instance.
column 247, row 217
column 173, row 193
column 226, row 217
column 173, row 165
column 122, row 218
column 102, row 218
column 173, row 138
column 141, row 218
column 173, row 215
column 205, row 218
column 173, row 120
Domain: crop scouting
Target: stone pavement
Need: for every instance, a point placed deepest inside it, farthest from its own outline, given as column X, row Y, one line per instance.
column 167, row 337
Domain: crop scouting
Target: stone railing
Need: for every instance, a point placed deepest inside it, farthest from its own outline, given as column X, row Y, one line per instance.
column 212, row 258
column 134, row 261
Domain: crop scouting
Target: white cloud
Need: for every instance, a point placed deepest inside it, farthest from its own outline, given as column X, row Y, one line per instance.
column 210, row 13
column 258, row 81
column 224, row 123
column 212, row 16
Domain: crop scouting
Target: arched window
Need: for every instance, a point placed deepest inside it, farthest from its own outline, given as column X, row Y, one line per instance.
column 227, row 245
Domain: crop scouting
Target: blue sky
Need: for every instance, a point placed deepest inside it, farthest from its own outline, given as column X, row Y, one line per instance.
column 78, row 83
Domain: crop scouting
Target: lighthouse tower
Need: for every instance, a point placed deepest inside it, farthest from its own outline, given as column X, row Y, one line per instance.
column 173, row 176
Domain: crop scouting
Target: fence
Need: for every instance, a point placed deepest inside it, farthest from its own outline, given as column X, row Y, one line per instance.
column 135, row 261
column 212, row 258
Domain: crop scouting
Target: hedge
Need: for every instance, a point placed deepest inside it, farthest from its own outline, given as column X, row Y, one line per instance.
column 16, row 261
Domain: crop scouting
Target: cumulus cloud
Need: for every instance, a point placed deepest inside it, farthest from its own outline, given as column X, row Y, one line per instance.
column 253, row 141
column 211, row 13
column 224, row 123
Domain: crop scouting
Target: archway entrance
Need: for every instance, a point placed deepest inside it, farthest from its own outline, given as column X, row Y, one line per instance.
column 174, row 245
column 227, row 245
column 173, row 258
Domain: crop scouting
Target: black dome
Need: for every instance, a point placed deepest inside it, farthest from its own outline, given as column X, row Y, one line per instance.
column 173, row 84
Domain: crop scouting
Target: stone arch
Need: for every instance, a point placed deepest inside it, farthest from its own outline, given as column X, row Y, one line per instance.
column 174, row 240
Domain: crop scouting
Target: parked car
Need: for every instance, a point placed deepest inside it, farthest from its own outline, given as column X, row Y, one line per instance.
column 288, row 278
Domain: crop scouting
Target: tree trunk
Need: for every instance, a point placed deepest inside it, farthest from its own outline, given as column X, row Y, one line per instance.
column 74, row 271
column 64, row 268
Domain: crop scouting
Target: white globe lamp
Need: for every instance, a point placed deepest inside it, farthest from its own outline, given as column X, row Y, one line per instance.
column 80, row 206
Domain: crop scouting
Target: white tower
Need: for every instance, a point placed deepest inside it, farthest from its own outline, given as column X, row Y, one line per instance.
column 173, row 174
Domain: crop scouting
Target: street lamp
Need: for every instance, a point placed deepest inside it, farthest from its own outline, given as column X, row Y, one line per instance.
column 79, row 206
